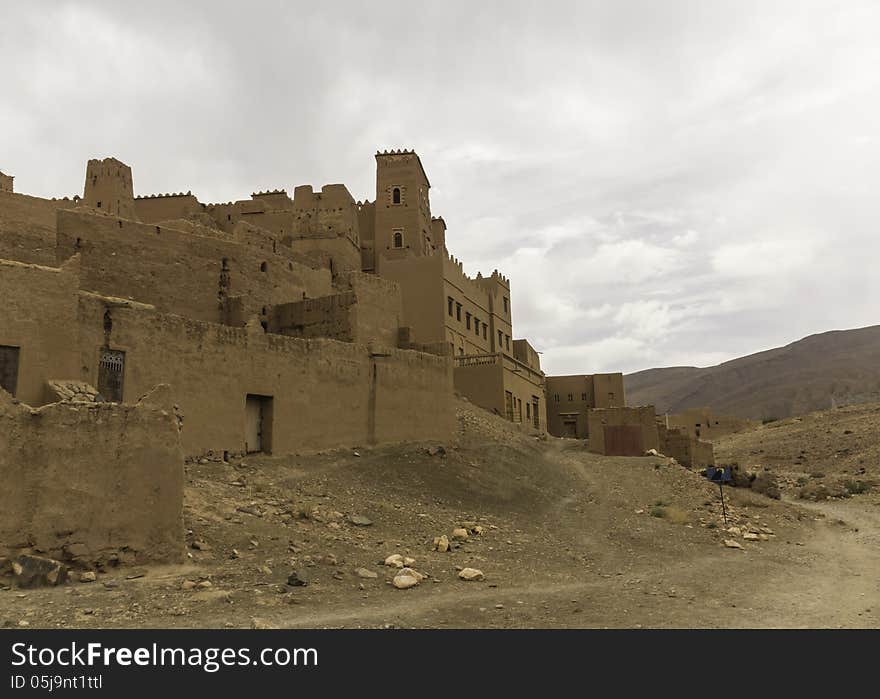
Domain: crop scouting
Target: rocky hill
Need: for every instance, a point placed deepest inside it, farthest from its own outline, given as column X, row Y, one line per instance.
column 821, row 371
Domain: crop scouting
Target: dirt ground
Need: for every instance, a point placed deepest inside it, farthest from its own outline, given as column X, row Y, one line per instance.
column 569, row 539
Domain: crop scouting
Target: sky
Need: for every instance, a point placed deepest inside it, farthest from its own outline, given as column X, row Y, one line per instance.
column 665, row 183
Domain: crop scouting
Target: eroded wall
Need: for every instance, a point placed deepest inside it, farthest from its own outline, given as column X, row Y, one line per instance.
column 92, row 483
column 642, row 417
column 181, row 272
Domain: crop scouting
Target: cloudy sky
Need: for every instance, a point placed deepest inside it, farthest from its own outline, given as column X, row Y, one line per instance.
column 666, row 183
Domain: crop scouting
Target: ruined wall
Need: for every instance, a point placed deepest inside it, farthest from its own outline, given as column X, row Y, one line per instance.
column 38, row 316
column 684, row 448
column 324, row 393
column 702, row 423
column 27, row 227
column 424, row 303
column 379, row 311
column 6, row 182
column 642, row 417
column 180, row 272
column 92, row 483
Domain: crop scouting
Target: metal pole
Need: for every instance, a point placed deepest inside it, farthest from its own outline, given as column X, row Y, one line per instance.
column 723, row 508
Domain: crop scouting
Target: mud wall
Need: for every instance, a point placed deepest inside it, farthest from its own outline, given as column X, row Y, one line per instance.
column 92, row 483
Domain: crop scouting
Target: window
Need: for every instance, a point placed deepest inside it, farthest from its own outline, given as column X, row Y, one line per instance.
column 484, row 332
column 458, row 312
column 556, row 397
column 476, row 326
column 99, row 205
column 506, row 305
column 449, row 303
column 500, row 340
column 528, row 411
column 398, row 237
column 461, row 351
column 263, row 267
column 9, row 368
column 395, row 195
column 467, row 320
column 507, row 342
column 584, row 397
column 570, row 397
column 111, row 375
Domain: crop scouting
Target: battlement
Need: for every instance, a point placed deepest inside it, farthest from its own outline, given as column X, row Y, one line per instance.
column 164, row 195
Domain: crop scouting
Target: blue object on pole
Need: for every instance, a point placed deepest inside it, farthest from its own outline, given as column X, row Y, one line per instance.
column 719, row 475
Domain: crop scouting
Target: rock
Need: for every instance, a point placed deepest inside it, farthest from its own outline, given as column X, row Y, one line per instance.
column 732, row 544
column 205, row 584
column 436, row 451
column 407, row 561
column 360, row 520
column 262, row 625
column 394, row 560
column 751, row 536
column 471, row 574
column 187, row 585
column 265, row 570
column 407, row 578
column 736, row 531
column 459, row 533
column 295, row 581
column 652, row 452
column 200, row 545
column 88, row 576
column 36, row 571
column 478, row 529
column 365, row 573
column 329, row 560
column 441, row 543
column 470, row 526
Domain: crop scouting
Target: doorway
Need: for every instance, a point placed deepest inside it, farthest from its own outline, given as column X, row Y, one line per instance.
column 258, row 424
column 9, row 368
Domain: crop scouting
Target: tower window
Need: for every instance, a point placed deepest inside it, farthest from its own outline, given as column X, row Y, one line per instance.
column 395, row 195
column 398, row 237
column 506, row 305
column 500, row 340
column 449, row 304
column 263, row 267
column 468, row 320
column 458, row 311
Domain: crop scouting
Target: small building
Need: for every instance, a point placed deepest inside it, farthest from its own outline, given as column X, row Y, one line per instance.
column 571, row 398
column 702, row 423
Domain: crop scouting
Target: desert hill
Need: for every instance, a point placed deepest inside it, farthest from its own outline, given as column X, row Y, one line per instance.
column 820, row 371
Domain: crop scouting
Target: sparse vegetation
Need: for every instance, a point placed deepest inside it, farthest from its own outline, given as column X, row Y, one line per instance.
column 671, row 513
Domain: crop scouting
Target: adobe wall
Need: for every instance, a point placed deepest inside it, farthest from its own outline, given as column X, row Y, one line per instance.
column 165, row 207
column 6, row 182
column 474, row 300
column 109, row 188
column 38, row 315
column 481, row 381
column 702, row 423
column 180, row 272
column 27, row 227
column 325, row 393
column 642, row 416
column 424, row 302
column 379, row 311
column 331, row 316
column 608, row 390
column 561, row 410
column 526, row 386
column 92, row 482
column 367, row 231
column 684, row 448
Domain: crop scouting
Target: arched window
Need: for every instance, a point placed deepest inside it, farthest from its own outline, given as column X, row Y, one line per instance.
column 398, row 239
column 395, row 195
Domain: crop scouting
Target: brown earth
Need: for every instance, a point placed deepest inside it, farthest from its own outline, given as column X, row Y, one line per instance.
column 570, row 539
column 815, row 373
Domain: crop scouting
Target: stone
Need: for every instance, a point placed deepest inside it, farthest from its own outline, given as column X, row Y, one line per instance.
column 394, row 560
column 200, row 545
column 36, row 571
column 88, row 576
column 652, row 452
column 459, row 533
column 470, row 574
column 751, row 536
column 295, row 581
column 766, row 484
column 732, row 544
column 478, row 529
column 365, row 573
column 436, row 451
column 470, row 526
column 360, row 520
column 403, row 582
column 736, row 531
column 205, row 584
column 441, row 543
column 407, row 578
column 329, row 560
column 407, row 561
column 187, row 585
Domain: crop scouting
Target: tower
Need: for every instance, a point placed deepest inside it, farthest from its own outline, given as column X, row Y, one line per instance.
column 403, row 210
column 109, row 187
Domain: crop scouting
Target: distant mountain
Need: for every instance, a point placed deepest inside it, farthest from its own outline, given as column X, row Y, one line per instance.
column 816, row 373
